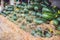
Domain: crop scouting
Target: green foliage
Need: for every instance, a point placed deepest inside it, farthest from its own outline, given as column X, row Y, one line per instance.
column 58, row 28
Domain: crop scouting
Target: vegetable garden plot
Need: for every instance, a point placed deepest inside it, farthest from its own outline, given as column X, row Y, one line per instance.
column 29, row 17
